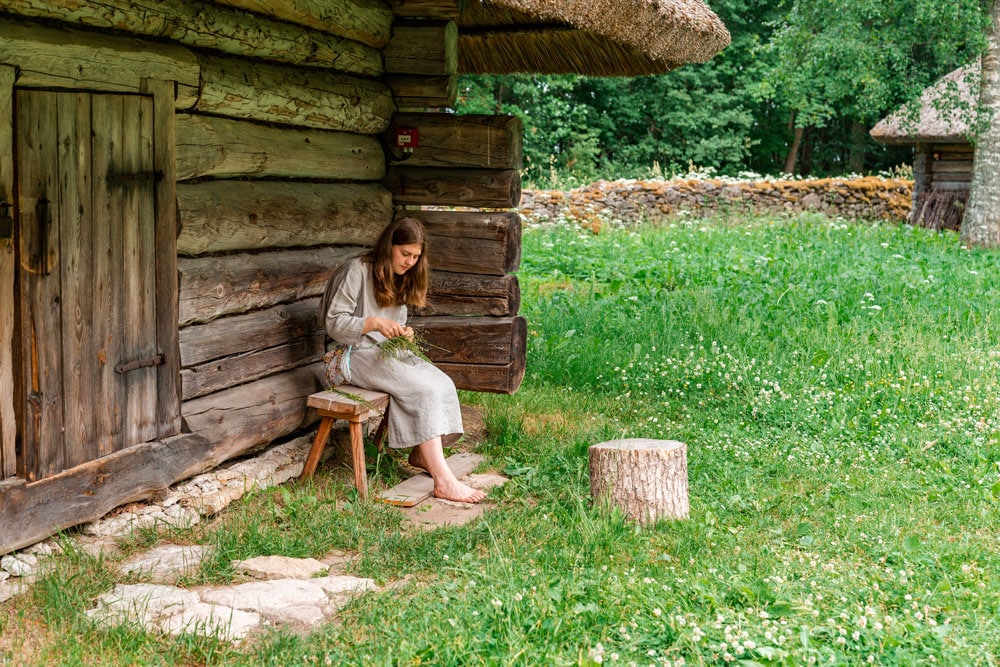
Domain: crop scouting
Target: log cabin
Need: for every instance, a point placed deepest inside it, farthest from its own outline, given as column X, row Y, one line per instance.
column 178, row 178
column 939, row 128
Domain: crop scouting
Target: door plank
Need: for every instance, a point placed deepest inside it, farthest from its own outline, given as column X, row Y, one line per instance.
column 8, row 419
column 107, row 156
column 76, row 226
column 41, row 362
column 135, row 195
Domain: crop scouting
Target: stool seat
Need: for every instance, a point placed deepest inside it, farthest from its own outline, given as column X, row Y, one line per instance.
column 355, row 405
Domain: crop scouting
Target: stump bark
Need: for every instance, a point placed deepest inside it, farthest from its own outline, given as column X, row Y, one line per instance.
column 646, row 479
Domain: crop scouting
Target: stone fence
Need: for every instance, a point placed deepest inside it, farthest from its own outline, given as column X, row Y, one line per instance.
column 628, row 201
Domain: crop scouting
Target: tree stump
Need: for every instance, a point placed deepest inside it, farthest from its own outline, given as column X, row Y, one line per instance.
column 646, row 479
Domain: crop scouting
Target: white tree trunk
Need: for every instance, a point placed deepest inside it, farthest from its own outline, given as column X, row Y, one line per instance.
column 981, row 224
column 646, row 479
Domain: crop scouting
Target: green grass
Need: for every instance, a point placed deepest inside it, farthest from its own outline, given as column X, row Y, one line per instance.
column 838, row 389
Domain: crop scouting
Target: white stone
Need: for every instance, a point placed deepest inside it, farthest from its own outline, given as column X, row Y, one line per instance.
column 338, row 583
column 20, row 564
column 211, row 620
column 142, row 604
column 280, row 567
column 167, row 563
column 280, row 600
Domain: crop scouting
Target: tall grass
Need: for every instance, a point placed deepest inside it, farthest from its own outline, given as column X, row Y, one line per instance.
column 838, row 388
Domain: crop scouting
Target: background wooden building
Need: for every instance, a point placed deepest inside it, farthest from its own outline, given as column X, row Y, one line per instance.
column 178, row 179
column 938, row 129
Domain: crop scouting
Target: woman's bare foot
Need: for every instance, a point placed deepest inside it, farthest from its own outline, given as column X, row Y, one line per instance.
column 457, row 491
column 417, row 460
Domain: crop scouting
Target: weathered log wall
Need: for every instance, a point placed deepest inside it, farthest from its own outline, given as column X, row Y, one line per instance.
column 284, row 165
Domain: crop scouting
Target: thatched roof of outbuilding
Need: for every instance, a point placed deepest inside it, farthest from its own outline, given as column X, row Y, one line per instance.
column 945, row 116
column 595, row 37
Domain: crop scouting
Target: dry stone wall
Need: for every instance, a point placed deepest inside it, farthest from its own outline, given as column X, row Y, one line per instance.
column 863, row 198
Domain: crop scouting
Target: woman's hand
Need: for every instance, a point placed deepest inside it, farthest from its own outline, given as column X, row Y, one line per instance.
column 386, row 327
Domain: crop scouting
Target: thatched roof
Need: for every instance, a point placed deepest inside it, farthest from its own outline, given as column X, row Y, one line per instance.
column 595, row 37
column 945, row 116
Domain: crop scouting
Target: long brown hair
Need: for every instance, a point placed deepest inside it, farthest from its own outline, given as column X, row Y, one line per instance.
column 409, row 289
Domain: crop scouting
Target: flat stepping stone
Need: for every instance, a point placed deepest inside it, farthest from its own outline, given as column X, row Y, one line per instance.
column 420, row 487
column 280, row 567
column 167, row 563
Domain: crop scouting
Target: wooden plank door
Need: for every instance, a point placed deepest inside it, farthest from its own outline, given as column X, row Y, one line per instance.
column 86, row 276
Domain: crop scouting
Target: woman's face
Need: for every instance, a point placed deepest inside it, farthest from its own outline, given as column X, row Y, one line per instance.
column 404, row 257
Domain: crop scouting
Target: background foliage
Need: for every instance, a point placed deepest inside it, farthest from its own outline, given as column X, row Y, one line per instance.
column 831, row 68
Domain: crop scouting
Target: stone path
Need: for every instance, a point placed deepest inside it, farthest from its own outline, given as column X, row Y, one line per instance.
column 295, row 593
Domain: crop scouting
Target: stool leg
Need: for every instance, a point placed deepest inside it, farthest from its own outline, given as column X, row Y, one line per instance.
column 309, row 467
column 358, row 458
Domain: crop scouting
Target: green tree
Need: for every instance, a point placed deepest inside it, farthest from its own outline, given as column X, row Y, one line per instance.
column 849, row 62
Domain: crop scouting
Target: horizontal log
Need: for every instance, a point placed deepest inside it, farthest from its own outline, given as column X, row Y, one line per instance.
column 429, row 48
column 31, row 512
column 239, row 369
column 472, row 241
column 239, row 419
column 473, row 340
column 450, row 140
column 73, row 59
column 469, row 294
column 208, row 26
column 227, row 148
column 220, row 216
column 248, row 332
column 425, row 9
column 365, row 21
column 423, row 92
column 475, row 188
column 306, row 97
column 486, row 378
column 218, row 285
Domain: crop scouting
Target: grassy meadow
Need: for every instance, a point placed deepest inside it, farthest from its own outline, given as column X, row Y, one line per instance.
column 838, row 388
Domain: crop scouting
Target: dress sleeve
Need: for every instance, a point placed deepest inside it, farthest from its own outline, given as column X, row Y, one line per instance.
column 341, row 303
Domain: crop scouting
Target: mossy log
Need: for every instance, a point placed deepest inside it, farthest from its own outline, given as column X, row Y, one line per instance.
column 227, row 148
column 206, row 26
column 73, row 59
column 293, row 96
column 365, row 21
column 223, row 216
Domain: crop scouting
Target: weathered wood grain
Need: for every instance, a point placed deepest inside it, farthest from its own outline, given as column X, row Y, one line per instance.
column 471, row 294
column 209, row 26
column 472, row 340
column 224, row 147
column 73, row 59
column 466, row 141
column 219, row 216
column 168, row 418
column 239, row 369
column 32, row 512
column 306, row 97
column 8, row 419
column 425, row 9
column 37, row 144
column 251, row 415
column 472, row 241
column 248, row 332
column 474, row 188
column 422, row 92
column 218, row 285
column 427, row 48
column 365, row 21
column 486, row 378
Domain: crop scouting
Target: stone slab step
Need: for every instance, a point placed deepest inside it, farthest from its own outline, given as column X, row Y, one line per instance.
column 420, row 487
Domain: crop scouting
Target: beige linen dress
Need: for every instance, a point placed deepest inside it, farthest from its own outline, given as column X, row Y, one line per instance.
column 424, row 401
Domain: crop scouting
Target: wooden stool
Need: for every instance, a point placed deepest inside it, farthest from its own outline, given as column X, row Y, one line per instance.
column 337, row 403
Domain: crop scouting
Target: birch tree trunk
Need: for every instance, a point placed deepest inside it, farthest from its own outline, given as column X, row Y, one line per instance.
column 981, row 224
